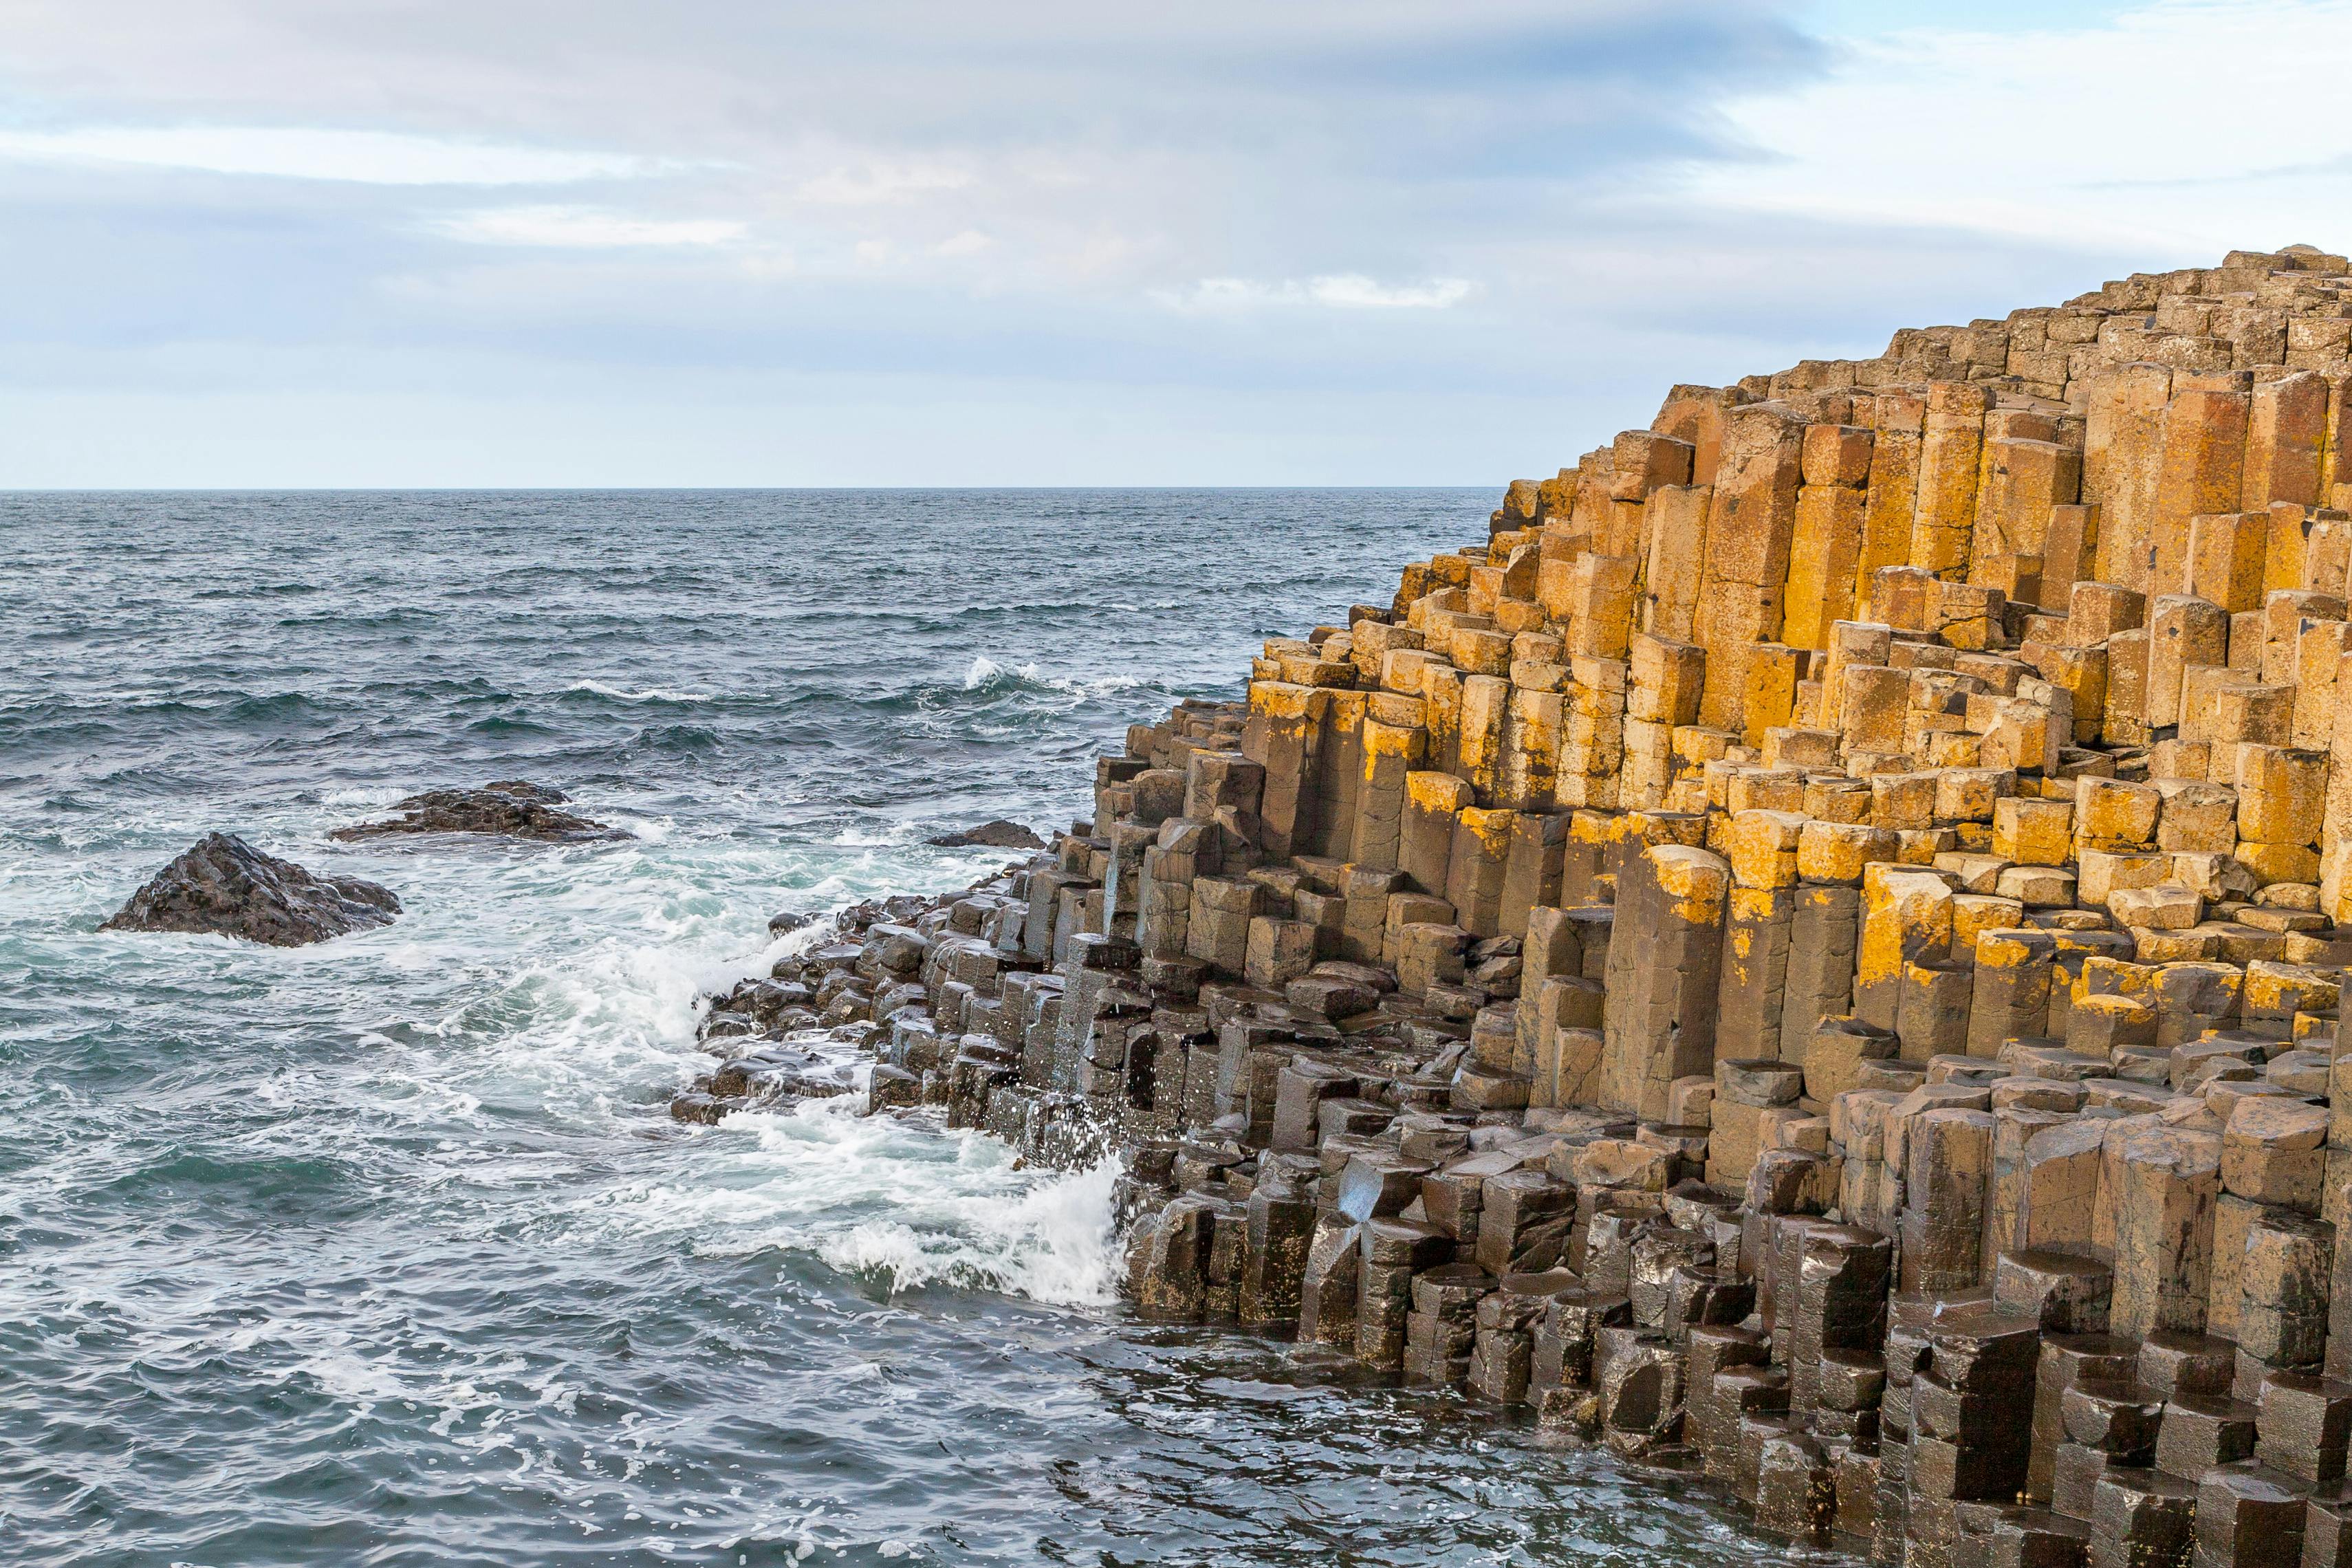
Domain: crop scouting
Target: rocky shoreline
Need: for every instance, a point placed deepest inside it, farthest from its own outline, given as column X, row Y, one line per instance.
column 1810, row 956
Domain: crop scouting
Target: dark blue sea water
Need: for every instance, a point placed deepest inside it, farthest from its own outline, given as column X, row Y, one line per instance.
column 384, row 1252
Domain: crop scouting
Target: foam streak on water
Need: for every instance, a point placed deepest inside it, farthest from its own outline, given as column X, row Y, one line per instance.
column 384, row 1252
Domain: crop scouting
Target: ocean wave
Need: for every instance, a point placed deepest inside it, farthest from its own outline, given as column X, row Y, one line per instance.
column 902, row 1204
column 650, row 694
column 277, row 705
column 984, row 673
column 1052, row 1243
column 673, row 738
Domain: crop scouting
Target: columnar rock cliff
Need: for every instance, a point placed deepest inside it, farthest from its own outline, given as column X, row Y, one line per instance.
column 1810, row 953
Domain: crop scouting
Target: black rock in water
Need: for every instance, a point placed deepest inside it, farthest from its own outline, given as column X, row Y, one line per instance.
column 225, row 887
column 997, row 835
column 508, row 809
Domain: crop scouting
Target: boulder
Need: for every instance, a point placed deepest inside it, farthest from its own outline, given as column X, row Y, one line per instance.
column 997, row 835
column 508, row 809
column 224, row 886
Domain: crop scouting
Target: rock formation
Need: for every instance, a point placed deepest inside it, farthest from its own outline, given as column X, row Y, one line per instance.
column 224, row 886
column 1809, row 953
column 508, row 809
column 997, row 835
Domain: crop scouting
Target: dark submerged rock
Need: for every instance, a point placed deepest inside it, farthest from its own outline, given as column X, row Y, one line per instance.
column 997, row 835
column 508, row 809
column 225, row 887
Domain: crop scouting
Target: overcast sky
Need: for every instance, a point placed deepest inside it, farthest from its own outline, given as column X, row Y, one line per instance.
column 874, row 242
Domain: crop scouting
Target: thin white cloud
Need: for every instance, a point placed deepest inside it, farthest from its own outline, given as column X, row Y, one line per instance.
column 1342, row 290
column 364, row 157
column 2008, row 134
column 584, row 228
column 879, row 183
column 1353, row 292
column 970, row 242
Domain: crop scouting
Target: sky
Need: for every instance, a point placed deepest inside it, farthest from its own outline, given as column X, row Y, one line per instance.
column 289, row 243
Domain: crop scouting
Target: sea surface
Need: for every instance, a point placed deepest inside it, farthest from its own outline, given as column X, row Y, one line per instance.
column 385, row 1251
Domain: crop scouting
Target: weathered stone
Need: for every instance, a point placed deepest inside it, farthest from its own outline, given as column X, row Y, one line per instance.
column 513, row 809
column 224, row 886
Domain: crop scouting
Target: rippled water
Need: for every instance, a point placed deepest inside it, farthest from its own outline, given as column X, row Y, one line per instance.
column 384, row 1252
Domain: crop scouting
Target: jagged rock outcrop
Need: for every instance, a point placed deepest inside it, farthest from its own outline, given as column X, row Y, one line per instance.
column 224, row 886
column 508, row 809
column 997, row 835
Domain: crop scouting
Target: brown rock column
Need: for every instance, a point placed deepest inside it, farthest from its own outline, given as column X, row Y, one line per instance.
column 1283, row 735
column 1950, row 1160
column 2285, row 420
column 1531, row 867
column 1825, row 550
column 1893, row 493
column 2161, row 1183
column 1663, row 972
column 2122, row 457
column 1338, row 774
column 1391, row 751
column 2184, row 632
column 1475, row 871
column 1677, row 523
column 1824, row 931
column 2024, row 481
column 2010, row 996
column 1750, row 527
column 1433, row 800
column 1906, row 918
column 1943, row 522
column 2202, row 468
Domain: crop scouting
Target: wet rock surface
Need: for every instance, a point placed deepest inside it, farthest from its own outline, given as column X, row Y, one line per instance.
column 997, row 835
column 508, row 809
column 224, row 886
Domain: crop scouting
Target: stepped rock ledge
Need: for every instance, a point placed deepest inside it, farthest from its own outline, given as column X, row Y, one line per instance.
column 1808, row 956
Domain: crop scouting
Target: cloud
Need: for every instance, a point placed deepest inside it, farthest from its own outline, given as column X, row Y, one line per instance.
column 1345, row 291
column 870, row 186
column 584, row 228
column 364, row 157
column 1353, row 292
column 2072, row 133
column 1176, row 222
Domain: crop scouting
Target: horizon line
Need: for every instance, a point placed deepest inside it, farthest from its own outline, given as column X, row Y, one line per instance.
column 678, row 490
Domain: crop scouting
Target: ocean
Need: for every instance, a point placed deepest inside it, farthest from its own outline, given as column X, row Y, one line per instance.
column 385, row 1251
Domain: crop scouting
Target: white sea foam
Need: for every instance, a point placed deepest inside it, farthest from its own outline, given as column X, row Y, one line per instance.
column 900, row 1201
column 650, row 694
column 601, row 1028
column 381, row 794
column 1101, row 686
column 985, row 671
